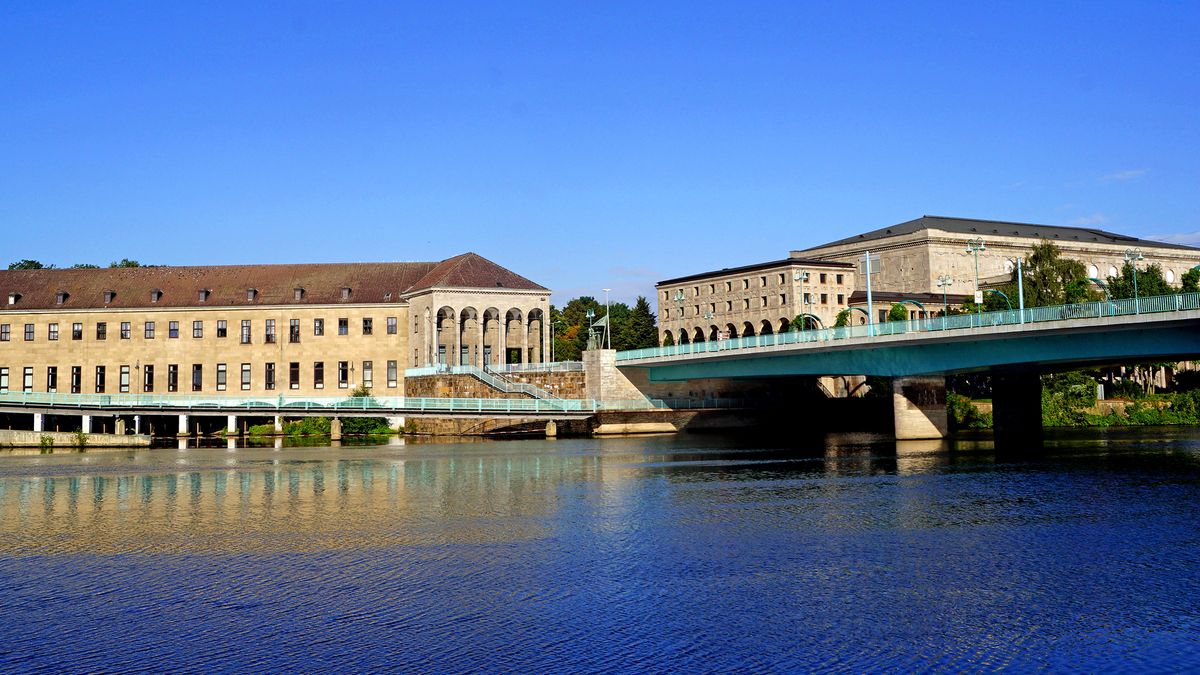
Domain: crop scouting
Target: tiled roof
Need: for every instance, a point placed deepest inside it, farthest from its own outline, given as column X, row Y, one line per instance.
column 382, row 282
column 983, row 228
column 787, row 262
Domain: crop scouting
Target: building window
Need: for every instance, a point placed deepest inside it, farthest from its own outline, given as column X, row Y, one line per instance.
column 61, row 297
column 3, row 380
column 27, row 379
column 298, row 294
column 173, row 329
column 368, row 376
column 245, row 331
column 763, row 300
column 245, row 376
column 745, row 284
column 343, row 374
column 52, row 379
column 99, row 379
column 824, row 298
column 345, row 293
column 172, row 377
column 221, row 377
column 76, row 379
column 781, row 279
column 5, row 332
column 29, row 332
column 123, row 383
column 293, row 375
column 149, row 330
column 782, row 299
column 746, row 303
column 148, row 378
column 76, row 331
column 696, row 310
column 108, row 296
column 343, row 326
column 762, row 282
column 197, row 329
column 270, row 334
column 823, row 277
column 728, row 305
column 251, row 293
column 222, row 328
column 294, row 331
column 52, row 332
column 318, row 326
column 728, row 286
column 155, row 295
column 391, row 325
column 391, row 374
column 269, row 377
column 838, row 278
column 841, row 299
column 203, row 295
column 319, row 375
column 197, row 377
column 368, row 326
column 126, row 329
column 101, row 330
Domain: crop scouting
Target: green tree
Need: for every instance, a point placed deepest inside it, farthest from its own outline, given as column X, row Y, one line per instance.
column 898, row 312
column 29, row 265
column 126, row 262
column 1150, row 281
column 843, row 319
column 668, row 341
column 84, row 266
column 1191, row 281
column 641, row 328
column 1051, row 279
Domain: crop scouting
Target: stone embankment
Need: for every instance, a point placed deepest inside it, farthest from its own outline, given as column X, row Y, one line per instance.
column 66, row 442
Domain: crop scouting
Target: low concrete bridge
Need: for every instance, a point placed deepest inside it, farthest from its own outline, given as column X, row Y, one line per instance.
column 1013, row 346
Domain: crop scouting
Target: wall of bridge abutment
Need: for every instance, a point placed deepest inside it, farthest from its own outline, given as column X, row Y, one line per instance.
column 1017, row 407
column 919, row 407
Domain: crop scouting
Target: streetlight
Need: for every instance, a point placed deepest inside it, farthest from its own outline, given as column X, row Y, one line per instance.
column 802, row 276
column 943, row 282
column 608, row 315
column 974, row 246
column 1132, row 256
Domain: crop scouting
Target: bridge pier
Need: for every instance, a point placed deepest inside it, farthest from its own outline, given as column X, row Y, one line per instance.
column 231, row 425
column 335, row 429
column 39, row 422
column 85, row 424
column 1017, row 407
column 183, row 425
column 278, row 424
column 919, row 407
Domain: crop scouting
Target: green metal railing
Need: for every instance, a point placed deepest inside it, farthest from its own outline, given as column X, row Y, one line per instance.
column 1084, row 310
column 493, row 380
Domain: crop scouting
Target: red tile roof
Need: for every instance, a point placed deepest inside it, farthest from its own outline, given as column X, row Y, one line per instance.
column 384, row 282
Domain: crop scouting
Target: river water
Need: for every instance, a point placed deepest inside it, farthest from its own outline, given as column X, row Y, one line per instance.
column 686, row 553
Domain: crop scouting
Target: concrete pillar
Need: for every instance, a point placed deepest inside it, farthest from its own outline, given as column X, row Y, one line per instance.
column 525, row 339
column 231, row 425
column 183, row 425
column 551, row 429
column 137, row 424
column 1017, row 408
column 546, row 337
column 335, row 429
column 503, row 340
column 919, row 407
column 85, row 424
column 482, row 335
column 39, row 422
column 120, row 427
column 279, row 424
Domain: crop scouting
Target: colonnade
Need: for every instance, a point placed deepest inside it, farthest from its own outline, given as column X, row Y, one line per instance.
column 477, row 338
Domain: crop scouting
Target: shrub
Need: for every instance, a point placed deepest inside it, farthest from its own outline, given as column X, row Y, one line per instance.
column 47, row 444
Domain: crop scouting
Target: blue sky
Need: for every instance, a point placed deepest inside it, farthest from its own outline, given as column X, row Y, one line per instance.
column 583, row 145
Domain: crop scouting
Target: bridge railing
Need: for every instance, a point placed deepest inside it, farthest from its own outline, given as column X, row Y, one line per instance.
column 555, row 367
column 1084, row 310
column 493, row 380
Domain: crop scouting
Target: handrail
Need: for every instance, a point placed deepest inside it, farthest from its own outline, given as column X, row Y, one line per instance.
column 554, row 367
column 494, row 381
column 1084, row 310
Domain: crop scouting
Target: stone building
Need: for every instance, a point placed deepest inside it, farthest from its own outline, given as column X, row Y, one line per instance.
column 912, row 255
column 752, row 300
column 262, row 329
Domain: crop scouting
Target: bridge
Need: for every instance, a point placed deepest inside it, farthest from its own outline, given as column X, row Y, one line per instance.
column 1014, row 346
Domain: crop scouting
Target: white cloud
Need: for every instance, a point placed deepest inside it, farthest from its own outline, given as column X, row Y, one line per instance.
column 1186, row 238
column 1084, row 221
column 1124, row 175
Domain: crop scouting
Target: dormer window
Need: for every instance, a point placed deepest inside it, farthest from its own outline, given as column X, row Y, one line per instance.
column 203, row 295
column 108, row 296
column 60, row 297
column 13, row 298
column 251, row 294
column 387, row 297
column 155, row 295
column 299, row 294
column 345, row 292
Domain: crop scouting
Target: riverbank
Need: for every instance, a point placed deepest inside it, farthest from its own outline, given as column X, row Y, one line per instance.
column 15, row 440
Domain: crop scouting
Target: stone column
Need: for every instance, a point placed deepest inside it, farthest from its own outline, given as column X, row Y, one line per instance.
column 183, row 425
column 546, row 337
column 1017, row 409
column 525, row 339
column 279, row 424
column 39, row 422
column 502, row 336
column 85, row 424
column 231, row 425
column 482, row 338
column 456, row 359
column 335, row 429
column 919, row 407
column 137, row 424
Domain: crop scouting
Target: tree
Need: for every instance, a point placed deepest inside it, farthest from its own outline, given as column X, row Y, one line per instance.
column 1051, row 279
column 84, row 266
column 1150, row 281
column 843, row 319
column 1191, row 281
column 641, row 329
column 126, row 262
column 668, row 341
column 898, row 312
column 29, row 265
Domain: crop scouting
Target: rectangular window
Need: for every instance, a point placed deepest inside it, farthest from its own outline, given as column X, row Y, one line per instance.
column 762, row 282
column 197, row 377
column 746, row 303
column 368, row 326
column 318, row 326
column 763, row 300
column 368, row 376
column 52, row 379
column 149, row 330
column 391, row 374
column 838, row 278
column 293, row 375
column 841, row 299
column 391, row 325
column 319, row 375
column 173, row 329
column 222, row 328
column 728, row 305
column 343, row 326
column 126, row 329
column 101, row 330
column 172, row 377
column 269, row 377
column 782, row 299
column 52, row 333
column 29, row 332
column 27, row 379
column 245, row 376
column 76, row 331
column 5, row 332
column 824, row 298
column 745, row 284
column 269, row 335
column 197, row 329
column 294, row 330
column 823, row 277
column 76, row 379
column 781, row 279
column 221, row 375
column 728, row 285
column 148, row 378
column 123, row 383
column 343, row 374
column 245, row 331
column 99, row 379
column 3, row 380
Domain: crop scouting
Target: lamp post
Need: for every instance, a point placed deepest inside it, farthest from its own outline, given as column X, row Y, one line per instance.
column 943, row 282
column 802, row 276
column 608, row 315
column 1132, row 256
column 974, row 246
